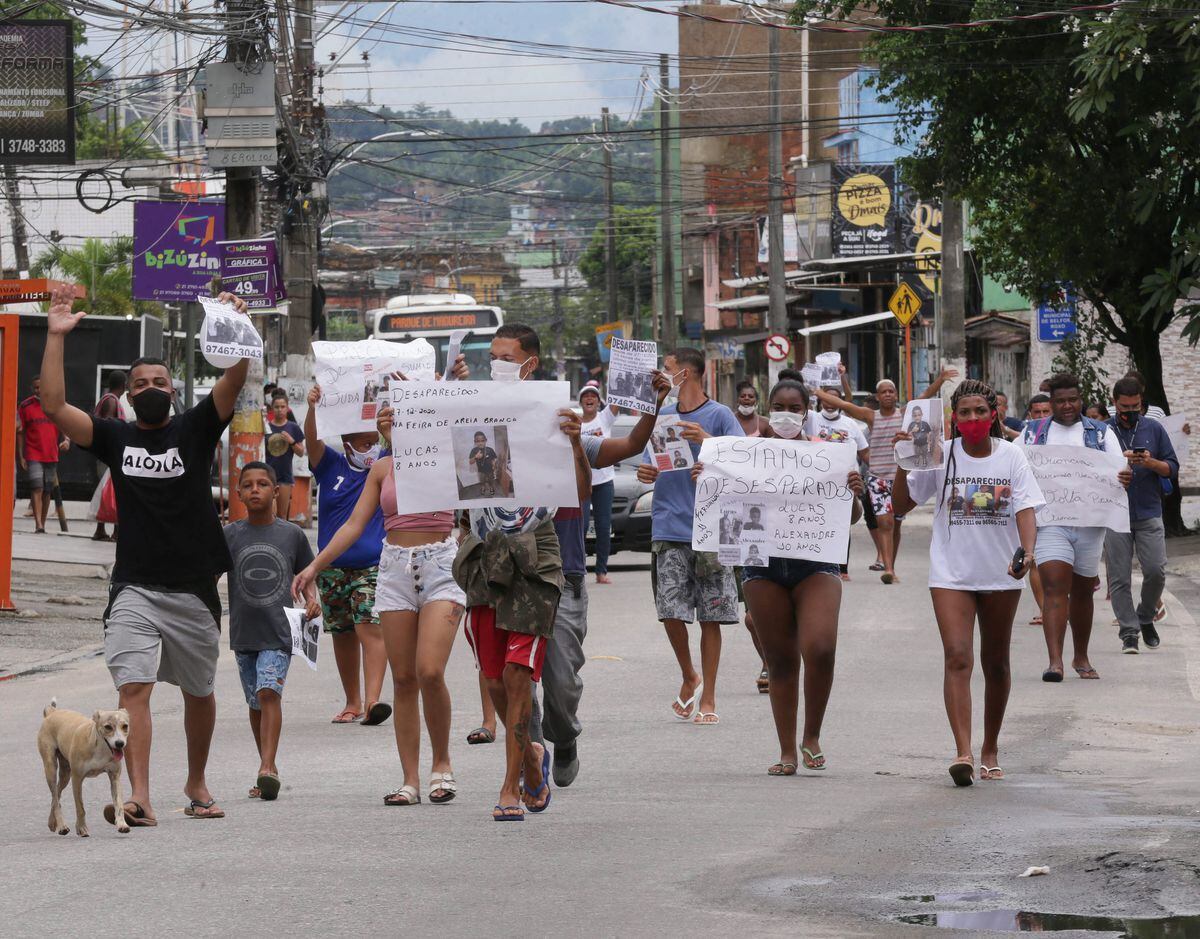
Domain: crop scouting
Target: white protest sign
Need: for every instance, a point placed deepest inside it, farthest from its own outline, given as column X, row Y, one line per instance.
column 923, row 420
column 227, row 336
column 778, row 498
column 667, row 449
column 831, row 376
column 352, row 375
column 1080, row 486
column 306, row 635
column 630, row 379
column 457, row 338
column 474, row 444
column 811, row 373
column 1173, row 425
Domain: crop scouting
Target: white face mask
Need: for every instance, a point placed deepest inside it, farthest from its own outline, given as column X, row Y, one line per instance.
column 830, row 413
column 506, row 371
column 746, row 409
column 786, row 424
column 363, row 460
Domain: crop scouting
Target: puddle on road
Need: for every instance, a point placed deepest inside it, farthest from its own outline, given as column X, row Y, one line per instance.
column 1164, row 927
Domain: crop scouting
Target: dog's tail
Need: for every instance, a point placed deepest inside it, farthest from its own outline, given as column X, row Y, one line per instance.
column 52, row 706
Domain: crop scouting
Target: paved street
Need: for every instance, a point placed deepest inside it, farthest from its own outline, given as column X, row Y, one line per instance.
column 671, row 829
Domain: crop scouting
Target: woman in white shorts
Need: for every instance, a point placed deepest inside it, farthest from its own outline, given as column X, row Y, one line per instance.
column 419, row 607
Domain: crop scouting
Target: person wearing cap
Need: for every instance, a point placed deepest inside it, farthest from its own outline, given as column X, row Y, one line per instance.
column 597, row 421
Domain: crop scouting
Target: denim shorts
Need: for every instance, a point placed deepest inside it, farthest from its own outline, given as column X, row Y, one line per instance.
column 788, row 572
column 411, row 577
column 1080, row 547
column 267, row 669
column 41, row 475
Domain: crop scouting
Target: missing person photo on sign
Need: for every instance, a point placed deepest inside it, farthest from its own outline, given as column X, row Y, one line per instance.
column 631, row 375
column 306, row 635
column 668, row 450
column 482, row 461
column 923, row 423
column 227, row 336
column 373, row 384
column 353, row 376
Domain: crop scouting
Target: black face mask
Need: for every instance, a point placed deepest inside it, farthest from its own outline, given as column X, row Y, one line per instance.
column 151, row 405
column 1130, row 418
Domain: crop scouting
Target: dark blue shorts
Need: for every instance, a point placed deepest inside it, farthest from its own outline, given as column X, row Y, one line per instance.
column 788, row 572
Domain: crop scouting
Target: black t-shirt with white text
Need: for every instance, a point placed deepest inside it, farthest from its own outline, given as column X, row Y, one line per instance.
column 168, row 532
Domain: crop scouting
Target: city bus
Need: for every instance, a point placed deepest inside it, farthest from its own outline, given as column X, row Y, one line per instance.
column 434, row 317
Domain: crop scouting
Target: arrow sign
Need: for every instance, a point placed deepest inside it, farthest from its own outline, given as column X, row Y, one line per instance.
column 778, row 347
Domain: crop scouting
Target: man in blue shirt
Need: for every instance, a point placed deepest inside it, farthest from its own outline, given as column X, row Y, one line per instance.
column 1145, row 443
column 690, row 585
column 347, row 587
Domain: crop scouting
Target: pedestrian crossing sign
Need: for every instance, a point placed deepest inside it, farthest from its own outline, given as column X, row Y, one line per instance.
column 904, row 304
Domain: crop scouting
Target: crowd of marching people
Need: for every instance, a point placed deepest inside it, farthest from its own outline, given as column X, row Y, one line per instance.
column 393, row 587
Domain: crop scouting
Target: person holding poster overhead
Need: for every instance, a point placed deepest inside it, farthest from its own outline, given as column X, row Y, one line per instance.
column 419, row 606
column 1145, row 443
column 984, row 528
column 170, row 550
column 690, row 585
column 1068, row 556
column 794, row 604
column 347, row 586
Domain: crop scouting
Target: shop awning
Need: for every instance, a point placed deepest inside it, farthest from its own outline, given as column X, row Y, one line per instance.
column 838, row 326
column 757, row 302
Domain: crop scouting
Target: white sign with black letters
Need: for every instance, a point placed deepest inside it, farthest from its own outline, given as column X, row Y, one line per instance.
column 227, row 336
column 631, row 368
column 1080, row 486
column 353, row 376
column 306, row 635
column 763, row 497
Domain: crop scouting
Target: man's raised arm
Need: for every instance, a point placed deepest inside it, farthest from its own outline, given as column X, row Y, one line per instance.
column 615, row 449
column 75, row 423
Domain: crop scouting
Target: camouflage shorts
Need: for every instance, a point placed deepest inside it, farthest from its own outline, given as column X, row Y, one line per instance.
column 690, row 585
column 347, row 598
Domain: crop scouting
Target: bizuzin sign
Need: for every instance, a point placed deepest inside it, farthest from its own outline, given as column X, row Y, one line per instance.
column 175, row 249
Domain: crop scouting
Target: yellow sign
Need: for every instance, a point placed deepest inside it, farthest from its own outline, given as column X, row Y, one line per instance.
column 864, row 200
column 904, row 304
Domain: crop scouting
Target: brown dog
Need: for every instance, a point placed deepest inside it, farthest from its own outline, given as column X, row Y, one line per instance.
column 76, row 747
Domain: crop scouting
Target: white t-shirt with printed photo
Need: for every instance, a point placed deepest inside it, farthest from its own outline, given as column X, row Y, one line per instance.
column 975, row 518
column 841, row 429
column 601, row 426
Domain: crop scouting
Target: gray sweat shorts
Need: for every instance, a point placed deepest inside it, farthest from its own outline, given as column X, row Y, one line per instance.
column 142, row 622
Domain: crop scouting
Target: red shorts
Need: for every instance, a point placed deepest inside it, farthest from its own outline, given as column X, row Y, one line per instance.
column 494, row 648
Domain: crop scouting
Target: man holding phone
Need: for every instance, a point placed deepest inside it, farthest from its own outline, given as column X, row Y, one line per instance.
column 1145, row 443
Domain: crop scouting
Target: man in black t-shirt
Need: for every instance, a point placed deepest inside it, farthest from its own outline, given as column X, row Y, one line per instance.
column 170, row 551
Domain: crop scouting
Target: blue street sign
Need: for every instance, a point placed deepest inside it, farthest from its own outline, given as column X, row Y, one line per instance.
column 1056, row 320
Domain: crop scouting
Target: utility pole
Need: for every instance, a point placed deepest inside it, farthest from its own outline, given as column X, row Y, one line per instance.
column 12, row 192
column 667, row 265
column 300, row 246
column 953, row 308
column 241, row 221
column 776, row 296
column 610, row 226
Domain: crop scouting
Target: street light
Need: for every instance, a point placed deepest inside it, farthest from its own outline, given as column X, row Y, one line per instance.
column 342, row 157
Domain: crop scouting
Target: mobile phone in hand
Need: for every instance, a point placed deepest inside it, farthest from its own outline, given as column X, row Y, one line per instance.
column 1018, row 561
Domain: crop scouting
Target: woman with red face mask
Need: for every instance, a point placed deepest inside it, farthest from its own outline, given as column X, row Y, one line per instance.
column 986, row 500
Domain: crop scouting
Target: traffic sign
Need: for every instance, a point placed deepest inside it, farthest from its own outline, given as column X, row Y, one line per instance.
column 778, row 347
column 905, row 304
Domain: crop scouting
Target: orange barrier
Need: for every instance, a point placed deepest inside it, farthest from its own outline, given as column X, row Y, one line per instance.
column 10, row 330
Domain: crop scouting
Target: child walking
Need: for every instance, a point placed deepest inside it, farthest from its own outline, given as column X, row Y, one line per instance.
column 267, row 553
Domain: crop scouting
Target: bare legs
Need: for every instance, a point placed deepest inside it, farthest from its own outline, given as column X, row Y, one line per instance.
column 710, row 660
column 347, row 654
column 489, row 709
column 283, row 500
column 364, row 646
column 1066, row 596
column 135, row 698
column 266, row 723
column 889, row 537
column 199, row 721
column 512, row 695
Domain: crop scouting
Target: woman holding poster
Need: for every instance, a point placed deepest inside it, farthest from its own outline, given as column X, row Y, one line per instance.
column 419, row 607
column 984, row 530
column 794, row 605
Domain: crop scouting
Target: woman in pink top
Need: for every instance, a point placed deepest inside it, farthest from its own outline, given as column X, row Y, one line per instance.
column 419, row 607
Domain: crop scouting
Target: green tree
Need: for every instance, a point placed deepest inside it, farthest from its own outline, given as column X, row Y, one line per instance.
column 103, row 268
column 95, row 139
column 1074, row 141
column 635, row 242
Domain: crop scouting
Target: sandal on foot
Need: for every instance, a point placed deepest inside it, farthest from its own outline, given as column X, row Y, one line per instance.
column 408, row 793
column 962, row 773
column 254, row 793
column 445, row 784
column 481, row 735
column 544, row 788
column 813, row 761
column 1088, row 673
column 1052, row 675
column 782, row 769
column 990, row 772
column 198, row 809
column 1037, row 621
column 508, row 813
column 377, row 713
column 763, row 682
column 136, row 819
column 877, row 567
column 347, row 716
column 887, row 578
column 707, row 718
column 267, row 785
column 687, row 705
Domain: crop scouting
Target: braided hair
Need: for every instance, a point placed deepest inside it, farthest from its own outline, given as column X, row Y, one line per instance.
column 972, row 387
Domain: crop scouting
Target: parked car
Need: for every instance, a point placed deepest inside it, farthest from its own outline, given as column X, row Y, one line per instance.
column 632, row 501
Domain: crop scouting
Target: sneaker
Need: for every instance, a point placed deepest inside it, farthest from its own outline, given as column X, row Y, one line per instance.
column 1150, row 636
column 1129, row 645
column 1160, row 612
column 566, row 765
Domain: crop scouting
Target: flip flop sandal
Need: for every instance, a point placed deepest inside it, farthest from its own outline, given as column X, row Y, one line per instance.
column 810, row 761
column 1037, row 621
column 543, row 788
column 445, row 784
column 190, row 810
column 341, row 718
column 782, row 769
column 877, row 567
column 990, row 772
column 707, row 718
column 963, row 774
column 764, row 682
column 1052, row 675
column 687, row 705
column 135, row 819
column 408, row 793
column 508, row 813
column 887, row 578
column 268, row 786
column 1088, row 673
column 377, row 713
column 254, row 793
column 481, row 735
